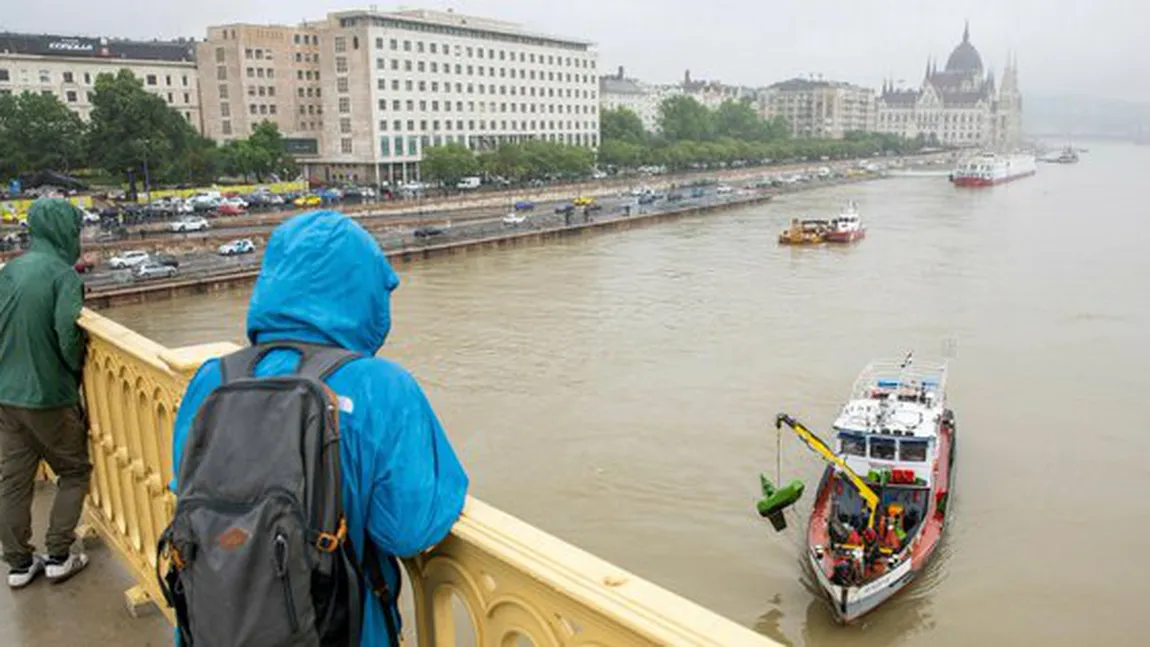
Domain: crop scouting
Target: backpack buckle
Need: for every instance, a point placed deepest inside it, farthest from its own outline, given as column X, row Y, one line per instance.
column 328, row 542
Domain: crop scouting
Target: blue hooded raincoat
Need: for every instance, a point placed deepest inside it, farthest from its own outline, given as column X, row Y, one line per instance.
column 324, row 279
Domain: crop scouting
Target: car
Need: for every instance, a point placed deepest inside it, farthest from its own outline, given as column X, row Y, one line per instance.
column 306, row 201
column 592, row 208
column 235, row 201
column 128, row 259
column 514, row 218
column 723, row 189
column 153, row 270
column 524, row 205
column 164, row 259
column 427, row 232
column 582, row 201
column 91, row 217
column 565, row 208
column 189, row 224
column 236, row 247
column 648, row 198
column 229, row 209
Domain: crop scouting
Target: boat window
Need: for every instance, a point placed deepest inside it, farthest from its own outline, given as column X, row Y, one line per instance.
column 912, row 450
column 853, row 444
column 882, row 448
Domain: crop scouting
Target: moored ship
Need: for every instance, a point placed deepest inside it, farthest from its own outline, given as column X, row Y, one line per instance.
column 989, row 169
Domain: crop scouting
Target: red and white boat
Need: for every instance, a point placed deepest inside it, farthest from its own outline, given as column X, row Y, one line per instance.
column 989, row 169
column 881, row 506
column 847, row 227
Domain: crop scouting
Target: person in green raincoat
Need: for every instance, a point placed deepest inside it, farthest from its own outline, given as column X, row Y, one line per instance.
column 41, row 360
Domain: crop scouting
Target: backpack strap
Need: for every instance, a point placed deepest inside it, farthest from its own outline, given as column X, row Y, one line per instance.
column 316, row 360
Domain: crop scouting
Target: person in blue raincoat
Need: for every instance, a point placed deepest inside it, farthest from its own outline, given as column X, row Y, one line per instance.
column 324, row 279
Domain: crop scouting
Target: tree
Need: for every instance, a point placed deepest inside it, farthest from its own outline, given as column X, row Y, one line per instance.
column 133, row 131
column 621, row 124
column 449, row 163
column 738, row 120
column 38, row 132
column 614, row 152
column 684, row 118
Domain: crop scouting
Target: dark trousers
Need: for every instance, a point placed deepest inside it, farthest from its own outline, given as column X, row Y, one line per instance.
column 28, row 436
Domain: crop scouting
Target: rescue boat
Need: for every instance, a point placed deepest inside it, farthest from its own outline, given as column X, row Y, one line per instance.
column 880, row 508
column 805, row 232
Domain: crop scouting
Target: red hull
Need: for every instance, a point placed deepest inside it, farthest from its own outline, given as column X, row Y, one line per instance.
column 845, row 236
column 981, row 182
column 930, row 534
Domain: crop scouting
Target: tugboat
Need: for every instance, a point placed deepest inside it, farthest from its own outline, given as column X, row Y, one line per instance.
column 880, row 509
column 847, row 227
column 805, row 232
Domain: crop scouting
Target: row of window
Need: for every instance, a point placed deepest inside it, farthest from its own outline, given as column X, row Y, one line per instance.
column 307, row 75
column 261, row 73
column 307, row 57
column 311, row 109
column 306, row 39
column 472, row 70
column 261, row 90
column 400, row 146
column 397, row 125
column 45, row 77
column 308, row 92
column 262, row 108
column 478, row 52
column 424, row 104
column 410, row 86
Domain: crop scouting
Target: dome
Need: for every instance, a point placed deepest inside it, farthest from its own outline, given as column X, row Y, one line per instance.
column 965, row 57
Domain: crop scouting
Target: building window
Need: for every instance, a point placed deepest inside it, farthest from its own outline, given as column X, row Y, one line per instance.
column 170, row 101
column 344, row 104
column 226, row 127
column 340, row 44
column 407, row 66
column 341, row 84
column 411, row 105
column 411, row 146
column 411, row 124
column 272, row 108
column 345, row 145
column 225, row 110
column 68, row 78
column 247, row 53
column 252, row 108
column 251, row 72
column 395, row 85
column 220, row 55
column 395, row 104
column 341, row 64
column 345, row 125
column 394, row 44
column 271, row 92
column 407, row 46
column 168, row 80
column 263, row 109
column 71, row 95
column 296, row 39
column 407, row 85
column 419, row 67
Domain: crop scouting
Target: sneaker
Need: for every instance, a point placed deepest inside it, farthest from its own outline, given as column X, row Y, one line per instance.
column 63, row 567
column 18, row 578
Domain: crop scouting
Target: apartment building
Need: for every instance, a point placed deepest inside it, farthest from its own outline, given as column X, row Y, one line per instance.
column 252, row 73
column 820, row 109
column 67, row 67
column 361, row 94
column 404, row 81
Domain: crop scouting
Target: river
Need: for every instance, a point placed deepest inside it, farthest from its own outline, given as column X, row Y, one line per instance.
column 618, row 390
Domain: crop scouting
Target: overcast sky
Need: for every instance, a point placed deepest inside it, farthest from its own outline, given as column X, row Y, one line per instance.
column 1093, row 47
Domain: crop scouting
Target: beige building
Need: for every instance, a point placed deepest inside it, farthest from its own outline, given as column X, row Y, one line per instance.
column 252, row 73
column 67, row 67
column 820, row 109
column 362, row 94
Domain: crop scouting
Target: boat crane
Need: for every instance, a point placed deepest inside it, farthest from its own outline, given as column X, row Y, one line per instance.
column 776, row 500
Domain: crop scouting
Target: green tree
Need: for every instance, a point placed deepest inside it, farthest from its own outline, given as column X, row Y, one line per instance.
column 683, row 118
column 622, row 154
column 738, row 120
column 621, row 124
column 132, row 131
column 38, row 132
column 449, row 163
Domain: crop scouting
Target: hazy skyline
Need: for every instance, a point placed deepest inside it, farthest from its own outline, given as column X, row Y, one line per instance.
column 1062, row 48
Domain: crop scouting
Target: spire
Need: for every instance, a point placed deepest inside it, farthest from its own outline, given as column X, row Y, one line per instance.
column 966, row 33
column 927, row 74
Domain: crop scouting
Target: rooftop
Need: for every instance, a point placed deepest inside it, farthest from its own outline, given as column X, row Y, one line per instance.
column 100, row 48
column 460, row 21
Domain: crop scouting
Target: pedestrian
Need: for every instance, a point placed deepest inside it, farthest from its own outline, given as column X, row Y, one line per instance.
column 42, row 353
column 402, row 486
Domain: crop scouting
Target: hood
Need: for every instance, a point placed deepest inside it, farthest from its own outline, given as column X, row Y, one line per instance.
column 323, row 279
column 54, row 227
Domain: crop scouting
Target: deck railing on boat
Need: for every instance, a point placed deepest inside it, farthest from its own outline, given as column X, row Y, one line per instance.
column 512, row 580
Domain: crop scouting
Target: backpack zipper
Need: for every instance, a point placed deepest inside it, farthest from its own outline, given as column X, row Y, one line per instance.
column 281, row 555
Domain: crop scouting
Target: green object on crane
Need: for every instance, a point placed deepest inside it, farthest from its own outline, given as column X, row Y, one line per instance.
column 777, row 499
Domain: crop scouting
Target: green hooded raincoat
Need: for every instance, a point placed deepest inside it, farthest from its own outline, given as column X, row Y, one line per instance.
column 41, row 347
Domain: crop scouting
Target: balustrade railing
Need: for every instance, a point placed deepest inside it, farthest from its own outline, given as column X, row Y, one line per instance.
column 512, row 581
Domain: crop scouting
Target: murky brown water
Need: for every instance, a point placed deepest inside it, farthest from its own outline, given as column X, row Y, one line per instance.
column 618, row 390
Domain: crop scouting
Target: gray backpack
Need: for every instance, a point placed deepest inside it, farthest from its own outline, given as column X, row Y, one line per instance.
column 258, row 547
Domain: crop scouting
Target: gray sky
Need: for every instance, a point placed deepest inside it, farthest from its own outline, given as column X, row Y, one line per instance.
column 1090, row 47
